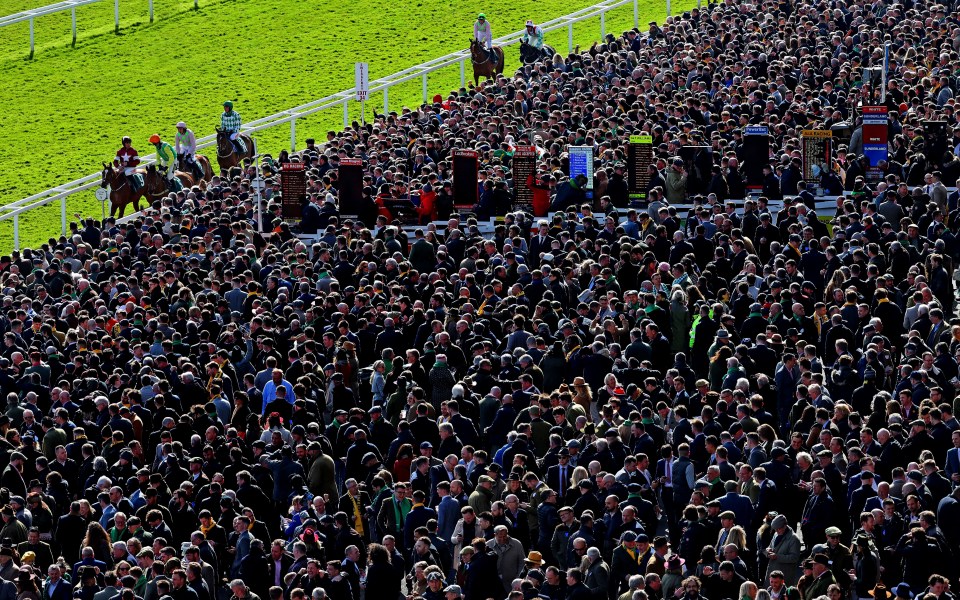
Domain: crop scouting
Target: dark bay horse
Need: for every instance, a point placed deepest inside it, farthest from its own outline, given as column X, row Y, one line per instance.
column 482, row 65
column 530, row 55
column 121, row 192
column 227, row 155
column 203, row 162
column 155, row 184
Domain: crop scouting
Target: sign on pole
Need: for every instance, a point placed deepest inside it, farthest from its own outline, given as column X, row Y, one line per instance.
column 756, row 147
column 639, row 158
column 293, row 187
column 465, row 190
column 524, row 166
column 581, row 163
column 362, row 76
column 815, row 148
column 875, row 131
column 350, row 175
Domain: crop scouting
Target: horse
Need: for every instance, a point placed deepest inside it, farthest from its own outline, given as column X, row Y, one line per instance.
column 227, row 155
column 203, row 162
column 121, row 192
column 482, row 65
column 155, row 183
column 530, row 55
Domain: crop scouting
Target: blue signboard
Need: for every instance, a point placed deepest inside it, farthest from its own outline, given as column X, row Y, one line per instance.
column 581, row 163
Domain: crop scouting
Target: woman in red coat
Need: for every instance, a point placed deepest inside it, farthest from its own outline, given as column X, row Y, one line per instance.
column 427, row 208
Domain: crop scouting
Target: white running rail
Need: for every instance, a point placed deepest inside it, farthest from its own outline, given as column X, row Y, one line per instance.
column 14, row 210
column 30, row 15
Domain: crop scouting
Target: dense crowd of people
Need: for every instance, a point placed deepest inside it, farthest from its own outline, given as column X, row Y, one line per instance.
column 616, row 401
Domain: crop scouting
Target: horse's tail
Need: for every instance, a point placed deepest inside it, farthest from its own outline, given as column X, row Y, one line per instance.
column 500, row 59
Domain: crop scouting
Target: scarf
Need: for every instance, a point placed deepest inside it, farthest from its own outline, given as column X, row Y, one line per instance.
column 357, row 515
column 205, row 530
column 400, row 511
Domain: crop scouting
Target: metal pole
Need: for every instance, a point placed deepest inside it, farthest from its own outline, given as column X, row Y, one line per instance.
column 570, row 37
column 256, row 166
column 151, row 11
column 196, row 4
column 386, row 100
column 16, row 228
column 698, row 4
column 424, row 88
column 363, row 112
column 116, row 16
column 63, row 216
column 293, row 135
column 346, row 113
column 259, row 209
column 73, row 23
column 31, row 38
column 883, row 75
column 668, row 8
column 636, row 14
column 603, row 24
column 463, row 80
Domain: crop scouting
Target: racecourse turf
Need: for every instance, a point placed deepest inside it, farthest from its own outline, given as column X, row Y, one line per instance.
column 63, row 112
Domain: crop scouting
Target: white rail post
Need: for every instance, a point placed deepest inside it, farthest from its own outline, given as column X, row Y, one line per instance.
column 463, row 77
column 16, row 232
column 346, row 113
column 116, row 16
column 386, row 100
column 424, row 88
column 31, row 38
column 73, row 24
column 603, row 24
column 636, row 14
column 293, row 135
column 570, row 38
column 668, row 8
column 63, row 216
column 151, row 11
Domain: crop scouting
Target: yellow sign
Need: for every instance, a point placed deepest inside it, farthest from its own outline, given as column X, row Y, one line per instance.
column 816, row 133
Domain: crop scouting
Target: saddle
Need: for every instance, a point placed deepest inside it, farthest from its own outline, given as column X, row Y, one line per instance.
column 136, row 181
column 240, row 145
column 174, row 185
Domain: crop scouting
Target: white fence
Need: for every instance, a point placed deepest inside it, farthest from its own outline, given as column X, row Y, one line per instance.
column 14, row 210
column 30, row 15
column 71, row 5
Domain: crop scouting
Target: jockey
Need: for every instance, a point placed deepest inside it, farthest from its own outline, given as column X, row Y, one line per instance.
column 483, row 34
column 128, row 159
column 230, row 122
column 186, row 146
column 165, row 156
column 533, row 35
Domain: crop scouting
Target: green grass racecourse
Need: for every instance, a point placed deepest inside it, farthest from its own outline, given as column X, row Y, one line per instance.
column 63, row 112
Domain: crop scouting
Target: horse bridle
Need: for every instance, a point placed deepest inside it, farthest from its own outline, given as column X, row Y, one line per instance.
column 110, row 183
column 232, row 149
column 485, row 60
